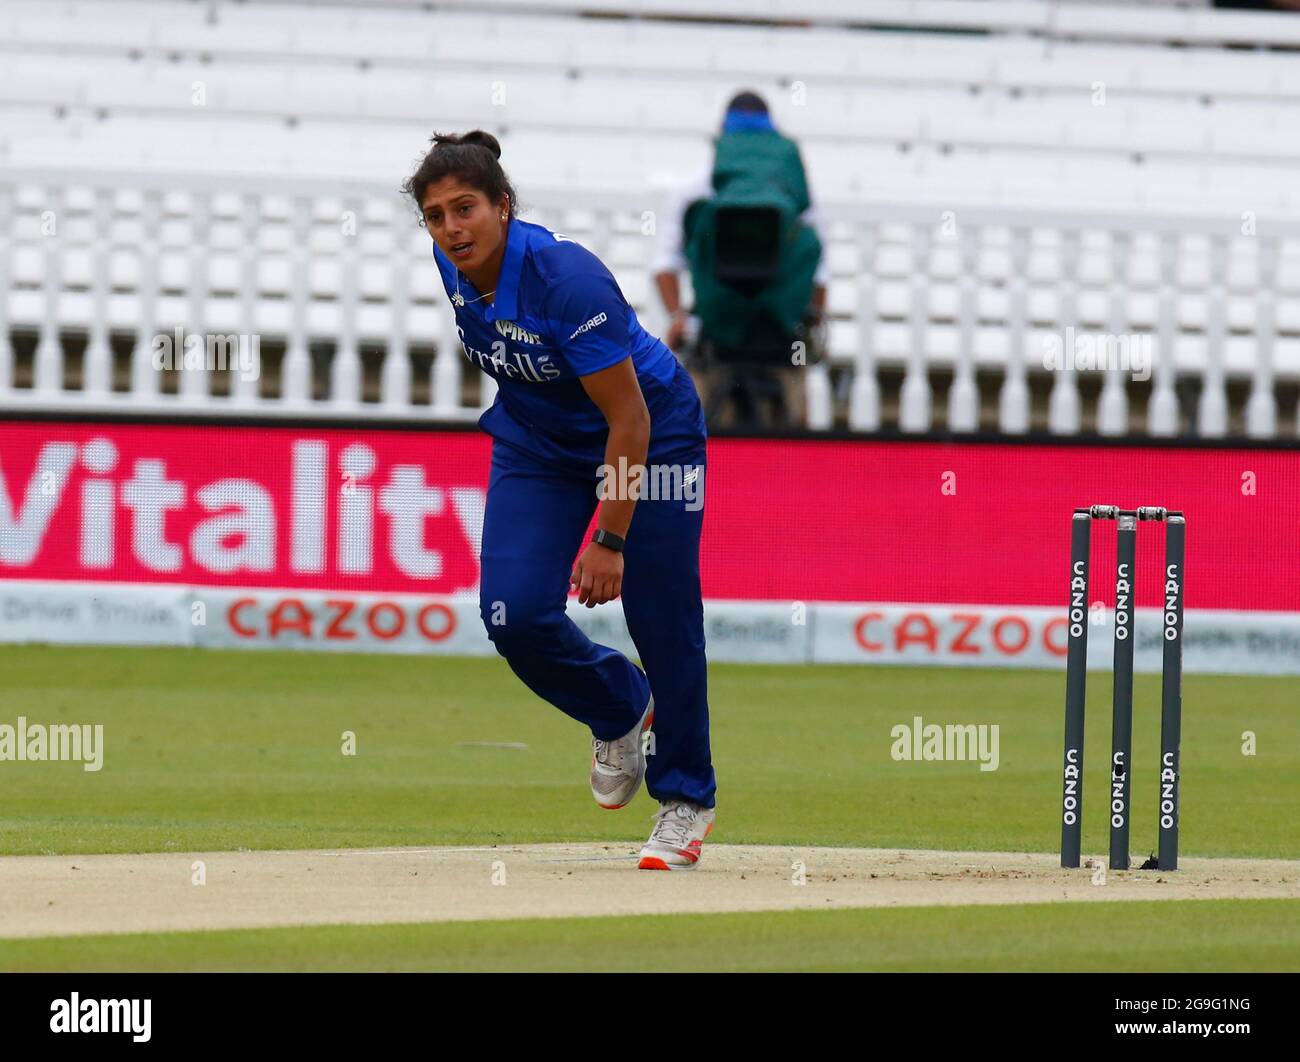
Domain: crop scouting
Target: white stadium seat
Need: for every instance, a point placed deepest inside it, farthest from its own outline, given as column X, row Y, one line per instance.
column 1033, row 115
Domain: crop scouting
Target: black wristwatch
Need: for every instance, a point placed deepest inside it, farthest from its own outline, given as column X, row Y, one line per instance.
column 608, row 539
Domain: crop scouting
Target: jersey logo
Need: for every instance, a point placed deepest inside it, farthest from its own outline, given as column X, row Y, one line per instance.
column 563, row 238
column 595, row 322
column 512, row 331
column 515, row 365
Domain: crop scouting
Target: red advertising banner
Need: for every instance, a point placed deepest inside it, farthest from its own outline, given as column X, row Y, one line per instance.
column 400, row 511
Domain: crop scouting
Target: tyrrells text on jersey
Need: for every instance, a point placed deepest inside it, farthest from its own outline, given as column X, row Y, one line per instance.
column 522, row 367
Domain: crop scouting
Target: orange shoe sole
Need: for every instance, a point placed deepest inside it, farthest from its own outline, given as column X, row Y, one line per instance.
column 655, row 863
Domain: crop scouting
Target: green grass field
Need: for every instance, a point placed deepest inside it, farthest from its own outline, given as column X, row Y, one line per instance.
column 1202, row 935
column 225, row 750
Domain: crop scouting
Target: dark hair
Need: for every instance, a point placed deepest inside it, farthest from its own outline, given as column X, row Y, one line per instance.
column 473, row 157
column 750, row 102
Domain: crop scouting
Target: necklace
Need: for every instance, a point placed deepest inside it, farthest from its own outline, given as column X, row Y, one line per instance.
column 460, row 299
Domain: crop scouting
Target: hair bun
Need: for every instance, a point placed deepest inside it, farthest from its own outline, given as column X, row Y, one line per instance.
column 483, row 139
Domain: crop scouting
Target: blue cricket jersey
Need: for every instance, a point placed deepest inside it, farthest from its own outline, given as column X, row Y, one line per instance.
column 559, row 314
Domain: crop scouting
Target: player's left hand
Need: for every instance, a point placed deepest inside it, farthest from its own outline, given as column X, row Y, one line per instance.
column 598, row 575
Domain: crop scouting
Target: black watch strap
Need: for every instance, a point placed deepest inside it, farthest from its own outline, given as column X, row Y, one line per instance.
column 608, row 539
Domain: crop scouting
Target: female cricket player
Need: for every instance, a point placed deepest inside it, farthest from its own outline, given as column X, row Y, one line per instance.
column 584, row 393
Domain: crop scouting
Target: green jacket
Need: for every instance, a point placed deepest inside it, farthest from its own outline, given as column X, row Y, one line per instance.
column 753, row 169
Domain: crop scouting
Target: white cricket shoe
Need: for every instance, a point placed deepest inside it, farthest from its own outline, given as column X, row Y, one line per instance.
column 617, row 767
column 677, row 837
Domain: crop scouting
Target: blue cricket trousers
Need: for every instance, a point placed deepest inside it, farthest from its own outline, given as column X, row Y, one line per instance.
column 536, row 516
